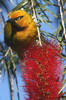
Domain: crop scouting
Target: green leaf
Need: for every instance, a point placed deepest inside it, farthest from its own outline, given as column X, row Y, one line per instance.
column 59, row 30
column 64, row 72
column 19, row 6
column 50, row 3
column 44, row 20
column 45, row 9
column 64, row 86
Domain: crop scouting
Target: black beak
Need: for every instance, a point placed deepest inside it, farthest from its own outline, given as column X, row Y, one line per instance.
column 9, row 20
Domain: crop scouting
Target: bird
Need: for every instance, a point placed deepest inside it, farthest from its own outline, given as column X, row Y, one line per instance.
column 20, row 30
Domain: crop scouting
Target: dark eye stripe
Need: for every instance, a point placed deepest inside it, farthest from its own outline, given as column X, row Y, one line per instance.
column 18, row 18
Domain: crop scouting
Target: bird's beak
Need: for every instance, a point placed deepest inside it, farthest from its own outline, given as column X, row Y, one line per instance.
column 9, row 20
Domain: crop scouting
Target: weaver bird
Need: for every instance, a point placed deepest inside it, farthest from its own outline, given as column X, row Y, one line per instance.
column 20, row 30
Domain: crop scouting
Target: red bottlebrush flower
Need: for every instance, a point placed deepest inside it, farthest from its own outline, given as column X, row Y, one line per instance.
column 42, row 72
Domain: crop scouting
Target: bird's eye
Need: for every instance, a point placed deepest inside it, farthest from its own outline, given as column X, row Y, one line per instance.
column 18, row 18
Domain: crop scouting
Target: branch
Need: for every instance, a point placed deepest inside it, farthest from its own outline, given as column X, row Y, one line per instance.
column 35, row 18
column 62, row 18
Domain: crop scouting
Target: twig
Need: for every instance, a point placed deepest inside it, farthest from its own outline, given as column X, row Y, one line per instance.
column 62, row 18
column 35, row 18
column 17, row 86
column 2, row 60
column 12, row 3
column 10, row 78
column 11, row 84
column 16, row 81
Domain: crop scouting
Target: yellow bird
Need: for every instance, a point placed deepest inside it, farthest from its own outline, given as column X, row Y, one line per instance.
column 20, row 30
